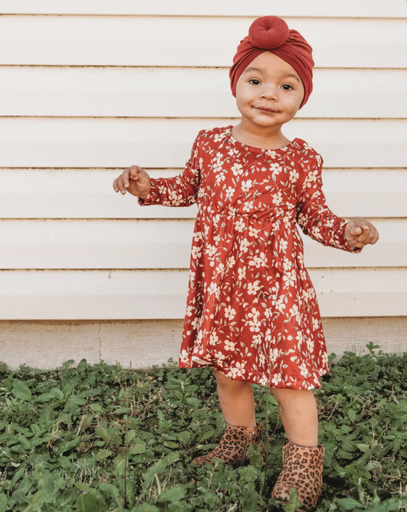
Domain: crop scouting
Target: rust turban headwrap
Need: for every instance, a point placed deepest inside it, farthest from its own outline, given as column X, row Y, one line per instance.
column 272, row 34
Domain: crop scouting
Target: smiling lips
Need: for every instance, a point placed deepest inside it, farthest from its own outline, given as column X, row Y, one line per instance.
column 270, row 110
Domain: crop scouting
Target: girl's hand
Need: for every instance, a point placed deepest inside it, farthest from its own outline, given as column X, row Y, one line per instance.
column 360, row 232
column 135, row 180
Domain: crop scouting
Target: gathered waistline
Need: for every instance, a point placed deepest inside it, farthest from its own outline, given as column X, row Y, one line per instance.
column 257, row 216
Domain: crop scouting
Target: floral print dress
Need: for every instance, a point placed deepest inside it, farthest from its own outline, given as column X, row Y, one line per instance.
column 252, row 311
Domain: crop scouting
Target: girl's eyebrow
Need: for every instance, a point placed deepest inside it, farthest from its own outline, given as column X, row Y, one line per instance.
column 247, row 70
column 252, row 69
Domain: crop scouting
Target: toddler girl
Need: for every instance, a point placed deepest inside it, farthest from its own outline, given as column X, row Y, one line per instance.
column 252, row 313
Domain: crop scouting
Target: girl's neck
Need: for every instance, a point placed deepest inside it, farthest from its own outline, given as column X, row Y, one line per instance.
column 261, row 139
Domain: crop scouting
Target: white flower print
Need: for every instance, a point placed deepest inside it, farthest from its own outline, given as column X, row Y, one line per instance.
column 244, row 245
column 287, row 264
column 253, row 288
column 237, row 169
column 275, row 168
column 229, row 192
column 240, row 226
column 242, row 273
column 231, row 261
column 195, row 323
column 290, row 278
column 237, row 371
column 259, row 260
column 277, row 198
column 300, row 338
column 246, row 186
column 220, row 356
column 283, row 245
column 220, row 269
column 254, row 324
column 211, row 250
column 233, row 152
column 303, row 370
column 253, row 231
column 229, row 345
column 196, row 252
column 213, row 288
column 280, row 303
column 256, row 340
column 230, row 312
column 295, row 312
column 192, row 275
column 175, row 197
column 311, row 179
column 184, row 356
column 274, row 353
column 248, row 206
column 310, row 345
column 276, row 379
column 263, row 381
column 324, row 359
column 293, row 176
column 213, row 338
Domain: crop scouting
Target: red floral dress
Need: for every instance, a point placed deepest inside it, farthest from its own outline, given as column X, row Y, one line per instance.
column 252, row 311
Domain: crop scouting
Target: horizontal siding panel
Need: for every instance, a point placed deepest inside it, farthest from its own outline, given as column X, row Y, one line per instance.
column 86, row 142
column 164, row 92
column 190, row 41
column 160, row 244
column 120, row 295
column 315, row 8
column 89, row 194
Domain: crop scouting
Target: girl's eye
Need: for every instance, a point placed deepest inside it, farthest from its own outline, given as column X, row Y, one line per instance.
column 255, row 81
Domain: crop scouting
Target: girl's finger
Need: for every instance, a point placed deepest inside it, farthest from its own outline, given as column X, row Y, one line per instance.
column 126, row 177
column 120, row 185
column 134, row 172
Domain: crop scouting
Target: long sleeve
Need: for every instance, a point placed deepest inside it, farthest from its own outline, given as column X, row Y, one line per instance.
column 315, row 218
column 179, row 190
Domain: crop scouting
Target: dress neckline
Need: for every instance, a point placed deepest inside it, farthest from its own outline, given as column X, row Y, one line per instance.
column 255, row 148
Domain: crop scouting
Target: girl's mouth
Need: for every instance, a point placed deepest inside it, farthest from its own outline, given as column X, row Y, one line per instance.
column 267, row 110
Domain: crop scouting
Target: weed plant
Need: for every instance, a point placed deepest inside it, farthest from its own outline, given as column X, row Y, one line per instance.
column 97, row 437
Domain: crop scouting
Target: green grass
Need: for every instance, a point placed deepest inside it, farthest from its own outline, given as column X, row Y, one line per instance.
column 99, row 437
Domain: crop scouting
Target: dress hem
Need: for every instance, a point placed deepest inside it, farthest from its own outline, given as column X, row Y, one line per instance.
column 251, row 380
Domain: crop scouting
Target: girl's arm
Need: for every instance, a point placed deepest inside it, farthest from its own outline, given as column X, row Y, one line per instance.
column 315, row 218
column 179, row 190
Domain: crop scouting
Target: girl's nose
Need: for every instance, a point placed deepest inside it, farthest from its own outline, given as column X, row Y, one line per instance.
column 269, row 92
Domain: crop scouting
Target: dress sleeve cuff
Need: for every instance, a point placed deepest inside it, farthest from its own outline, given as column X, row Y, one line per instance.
column 153, row 195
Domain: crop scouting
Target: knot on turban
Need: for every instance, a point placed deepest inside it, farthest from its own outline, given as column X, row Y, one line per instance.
column 270, row 33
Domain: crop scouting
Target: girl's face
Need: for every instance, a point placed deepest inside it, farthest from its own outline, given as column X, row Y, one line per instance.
column 268, row 82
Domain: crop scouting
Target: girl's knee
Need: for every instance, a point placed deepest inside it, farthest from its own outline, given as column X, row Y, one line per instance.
column 286, row 397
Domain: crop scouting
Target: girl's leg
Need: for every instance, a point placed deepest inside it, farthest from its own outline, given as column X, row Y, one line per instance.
column 299, row 414
column 237, row 400
column 303, row 456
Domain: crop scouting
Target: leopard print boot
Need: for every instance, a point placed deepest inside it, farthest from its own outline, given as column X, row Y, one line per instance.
column 302, row 470
column 233, row 446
